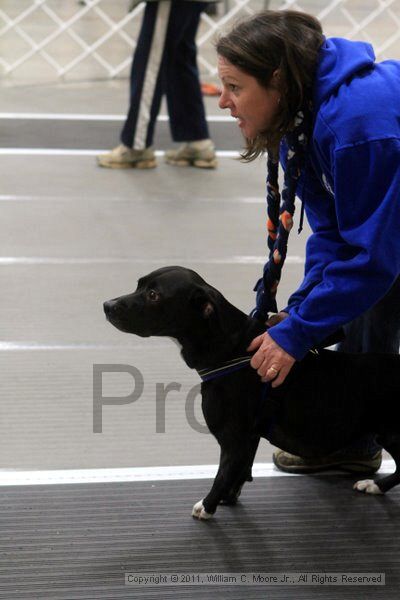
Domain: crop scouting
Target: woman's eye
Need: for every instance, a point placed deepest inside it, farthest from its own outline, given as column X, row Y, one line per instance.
column 153, row 296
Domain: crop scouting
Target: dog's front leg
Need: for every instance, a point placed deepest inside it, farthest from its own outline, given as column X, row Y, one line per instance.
column 234, row 493
column 234, row 468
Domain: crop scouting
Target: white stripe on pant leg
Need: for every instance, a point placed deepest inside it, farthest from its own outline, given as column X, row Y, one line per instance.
column 151, row 74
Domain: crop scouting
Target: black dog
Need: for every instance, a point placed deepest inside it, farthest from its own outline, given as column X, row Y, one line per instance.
column 328, row 400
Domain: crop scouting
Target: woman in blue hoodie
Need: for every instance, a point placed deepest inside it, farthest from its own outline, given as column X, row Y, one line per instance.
column 331, row 115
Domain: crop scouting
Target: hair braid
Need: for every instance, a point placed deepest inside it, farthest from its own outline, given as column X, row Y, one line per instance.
column 281, row 210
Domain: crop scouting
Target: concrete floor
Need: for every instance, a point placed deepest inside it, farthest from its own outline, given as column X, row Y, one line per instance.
column 75, row 235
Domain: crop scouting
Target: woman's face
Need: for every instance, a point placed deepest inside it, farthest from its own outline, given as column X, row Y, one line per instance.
column 254, row 106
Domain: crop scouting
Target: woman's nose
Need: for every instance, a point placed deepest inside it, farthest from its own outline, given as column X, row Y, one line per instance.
column 223, row 101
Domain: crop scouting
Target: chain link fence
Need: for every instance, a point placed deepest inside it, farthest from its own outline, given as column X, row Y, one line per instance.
column 94, row 39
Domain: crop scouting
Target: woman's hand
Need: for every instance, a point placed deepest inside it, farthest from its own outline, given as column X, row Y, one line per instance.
column 271, row 361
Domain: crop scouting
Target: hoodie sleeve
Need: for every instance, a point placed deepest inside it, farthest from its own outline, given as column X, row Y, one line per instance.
column 353, row 261
column 323, row 245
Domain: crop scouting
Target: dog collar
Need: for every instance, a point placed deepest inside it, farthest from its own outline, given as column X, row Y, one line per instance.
column 225, row 368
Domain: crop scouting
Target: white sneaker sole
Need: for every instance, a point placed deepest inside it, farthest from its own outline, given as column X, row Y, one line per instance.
column 140, row 164
column 200, row 164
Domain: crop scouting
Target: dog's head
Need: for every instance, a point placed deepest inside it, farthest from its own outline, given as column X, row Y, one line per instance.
column 167, row 302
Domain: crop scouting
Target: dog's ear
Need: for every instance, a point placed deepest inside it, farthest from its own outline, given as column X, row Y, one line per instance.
column 208, row 310
column 202, row 301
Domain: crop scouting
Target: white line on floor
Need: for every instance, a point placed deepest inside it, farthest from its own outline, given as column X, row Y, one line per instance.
column 85, row 117
column 6, row 346
column 213, row 200
column 52, row 477
column 69, row 152
column 228, row 260
column 126, row 474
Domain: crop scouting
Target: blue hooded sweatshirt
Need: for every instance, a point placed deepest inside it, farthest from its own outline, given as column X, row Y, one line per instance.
column 350, row 187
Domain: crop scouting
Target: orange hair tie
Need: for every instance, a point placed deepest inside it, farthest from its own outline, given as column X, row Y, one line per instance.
column 287, row 220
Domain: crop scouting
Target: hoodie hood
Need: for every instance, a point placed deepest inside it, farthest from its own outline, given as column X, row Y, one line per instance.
column 339, row 59
column 350, row 185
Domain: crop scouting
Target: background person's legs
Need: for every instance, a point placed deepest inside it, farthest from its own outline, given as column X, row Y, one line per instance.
column 165, row 62
column 135, row 151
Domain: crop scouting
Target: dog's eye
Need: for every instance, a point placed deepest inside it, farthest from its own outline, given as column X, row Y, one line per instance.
column 153, row 296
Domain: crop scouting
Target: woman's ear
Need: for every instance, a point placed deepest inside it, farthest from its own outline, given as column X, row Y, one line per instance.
column 276, row 76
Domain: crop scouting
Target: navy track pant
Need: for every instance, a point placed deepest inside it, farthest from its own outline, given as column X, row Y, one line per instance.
column 165, row 62
column 377, row 330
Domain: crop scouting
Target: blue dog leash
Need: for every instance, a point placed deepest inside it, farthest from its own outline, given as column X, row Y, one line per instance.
column 225, row 368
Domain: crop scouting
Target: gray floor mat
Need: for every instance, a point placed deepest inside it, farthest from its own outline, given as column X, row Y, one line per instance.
column 78, row 541
column 70, row 134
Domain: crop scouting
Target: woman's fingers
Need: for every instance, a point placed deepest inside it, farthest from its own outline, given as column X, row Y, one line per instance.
column 268, row 373
column 281, row 376
column 256, row 343
column 276, row 378
column 258, row 357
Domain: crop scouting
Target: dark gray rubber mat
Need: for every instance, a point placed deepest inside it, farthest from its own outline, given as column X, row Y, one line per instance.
column 78, row 541
column 96, row 135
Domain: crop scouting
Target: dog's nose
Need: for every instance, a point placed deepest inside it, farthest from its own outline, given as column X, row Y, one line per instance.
column 109, row 306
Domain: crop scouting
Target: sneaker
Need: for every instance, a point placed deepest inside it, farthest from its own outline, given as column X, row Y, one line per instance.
column 289, row 463
column 196, row 154
column 123, row 157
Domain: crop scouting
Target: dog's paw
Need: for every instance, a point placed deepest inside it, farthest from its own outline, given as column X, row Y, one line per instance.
column 199, row 512
column 368, row 486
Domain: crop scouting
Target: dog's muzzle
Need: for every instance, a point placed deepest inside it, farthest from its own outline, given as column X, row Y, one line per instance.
column 114, row 309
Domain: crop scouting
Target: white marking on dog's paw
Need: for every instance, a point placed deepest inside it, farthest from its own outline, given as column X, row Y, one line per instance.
column 368, row 486
column 199, row 512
